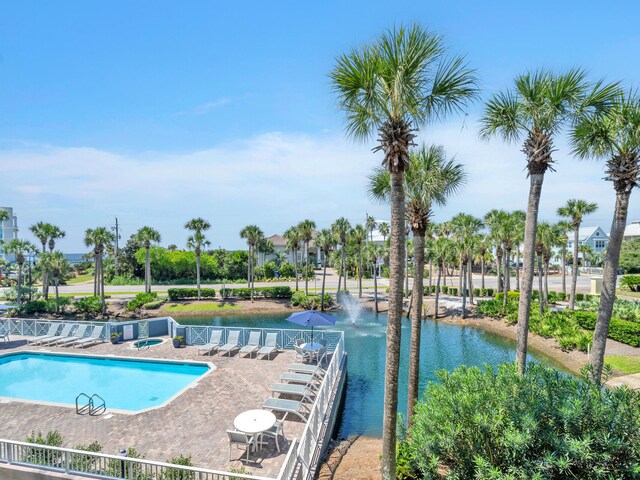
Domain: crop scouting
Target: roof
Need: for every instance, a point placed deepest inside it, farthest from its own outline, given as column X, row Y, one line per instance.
column 633, row 229
column 584, row 233
column 278, row 240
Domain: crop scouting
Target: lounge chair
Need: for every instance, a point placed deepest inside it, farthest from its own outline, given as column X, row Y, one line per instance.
column 77, row 335
column 92, row 339
column 252, row 346
column 304, row 391
column 292, row 377
column 305, row 368
column 53, row 329
column 64, row 333
column 4, row 333
column 213, row 345
column 300, row 409
column 240, row 439
column 270, row 345
column 233, row 343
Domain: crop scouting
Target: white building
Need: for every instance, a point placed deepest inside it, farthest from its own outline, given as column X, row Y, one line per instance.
column 8, row 230
column 280, row 247
column 595, row 237
column 632, row 231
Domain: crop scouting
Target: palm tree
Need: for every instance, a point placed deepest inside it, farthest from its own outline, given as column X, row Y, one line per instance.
column 373, row 253
column 20, row 248
column 306, row 229
column 57, row 264
column 252, row 234
column 359, row 236
column 483, row 246
column 383, row 228
column 196, row 241
column 574, row 211
column 98, row 238
column 146, row 236
column 538, row 107
column 293, row 245
column 586, row 252
column 493, row 220
column 465, row 227
column 41, row 231
column 392, row 86
column 441, row 250
column 55, row 233
column 615, row 136
column 519, row 218
column 370, row 224
column 547, row 238
column 564, row 228
column 327, row 242
column 430, row 179
column 340, row 229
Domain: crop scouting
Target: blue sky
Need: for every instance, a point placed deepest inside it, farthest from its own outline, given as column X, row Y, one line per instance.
column 160, row 111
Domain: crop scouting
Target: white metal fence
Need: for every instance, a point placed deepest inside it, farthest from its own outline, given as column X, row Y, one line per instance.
column 33, row 328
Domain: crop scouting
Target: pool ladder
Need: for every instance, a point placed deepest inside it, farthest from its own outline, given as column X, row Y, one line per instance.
column 94, row 405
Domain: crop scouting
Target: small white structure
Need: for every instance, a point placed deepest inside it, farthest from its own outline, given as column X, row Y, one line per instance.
column 595, row 237
column 8, row 231
column 632, row 231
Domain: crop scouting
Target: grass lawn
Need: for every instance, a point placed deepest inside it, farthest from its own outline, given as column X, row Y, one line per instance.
column 623, row 363
column 200, row 307
column 85, row 277
column 109, row 294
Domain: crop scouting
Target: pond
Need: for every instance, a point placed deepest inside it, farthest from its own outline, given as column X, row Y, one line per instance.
column 443, row 346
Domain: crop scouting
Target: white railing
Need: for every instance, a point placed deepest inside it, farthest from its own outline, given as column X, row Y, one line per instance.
column 105, row 466
column 290, row 462
column 30, row 327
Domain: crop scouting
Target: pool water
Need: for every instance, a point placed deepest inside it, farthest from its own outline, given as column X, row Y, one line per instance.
column 443, row 346
column 147, row 343
column 124, row 384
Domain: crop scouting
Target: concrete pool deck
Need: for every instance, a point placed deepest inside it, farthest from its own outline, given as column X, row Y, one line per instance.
column 193, row 424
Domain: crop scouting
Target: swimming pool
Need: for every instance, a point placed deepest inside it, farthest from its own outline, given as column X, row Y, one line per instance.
column 125, row 384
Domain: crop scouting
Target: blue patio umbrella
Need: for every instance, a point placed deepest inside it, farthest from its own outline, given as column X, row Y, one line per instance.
column 312, row 318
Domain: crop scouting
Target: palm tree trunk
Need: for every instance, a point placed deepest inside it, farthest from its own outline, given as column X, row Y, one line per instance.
column 430, row 276
column 406, row 272
column 19, row 284
column 198, row 274
column 252, row 276
column 324, row 277
column 360, row 273
column 375, row 287
column 507, row 278
column 498, row 270
column 610, row 276
column 564, row 269
column 416, row 323
column 540, row 290
column 574, row 268
column 546, row 280
column 96, row 275
column 306, row 268
column 392, row 362
column 464, row 289
column 295, row 263
column 470, row 286
column 147, row 271
column 104, row 304
column 482, row 270
column 56, row 280
column 460, row 267
column 518, row 267
column 435, row 311
column 524, row 303
column 249, row 269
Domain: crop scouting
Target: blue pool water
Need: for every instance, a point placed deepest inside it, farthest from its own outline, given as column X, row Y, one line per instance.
column 444, row 346
column 124, row 384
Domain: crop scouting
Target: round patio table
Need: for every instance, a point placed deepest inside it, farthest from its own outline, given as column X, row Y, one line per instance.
column 254, row 421
column 313, row 348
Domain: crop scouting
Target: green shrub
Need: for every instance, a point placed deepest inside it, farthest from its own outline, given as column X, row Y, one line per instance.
column 632, row 282
column 453, row 291
column 154, row 305
column 36, row 306
column 496, row 424
column 510, row 296
column 579, row 296
column 88, row 306
column 297, row 297
column 310, row 302
column 561, row 296
column 260, row 292
column 535, row 295
column 183, row 293
column 494, row 308
column 620, row 330
column 490, row 292
column 444, row 289
column 140, row 299
column 43, row 456
column 175, row 474
column 477, row 292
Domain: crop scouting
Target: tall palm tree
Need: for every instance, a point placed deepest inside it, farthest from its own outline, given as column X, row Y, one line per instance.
column 358, row 236
column 383, row 228
column 340, row 229
column 442, row 250
column 20, row 249
column 57, row 264
column 55, row 233
column 306, row 229
column 42, row 231
column 373, row 253
column 465, row 227
column 327, row 242
column 575, row 210
column 539, row 106
column 586, row 251
column 252, row 234
column 493, row 221
column 392, row 86
column 196, row 241
column 614, row 136
column 430, row 179
column 547, row 238
column 98, row 238
column 519, row 218
column 483, row 246
column 370, row 224
column 564, row 228
column 293, row 245
column 147, row 236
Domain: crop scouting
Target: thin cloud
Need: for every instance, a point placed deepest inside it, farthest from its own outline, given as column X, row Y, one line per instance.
column 207, row 107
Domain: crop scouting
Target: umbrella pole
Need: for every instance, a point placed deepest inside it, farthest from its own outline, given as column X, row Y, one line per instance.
column 311, row 333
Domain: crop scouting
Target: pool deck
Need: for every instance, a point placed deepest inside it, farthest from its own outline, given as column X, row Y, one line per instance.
column 193, row 424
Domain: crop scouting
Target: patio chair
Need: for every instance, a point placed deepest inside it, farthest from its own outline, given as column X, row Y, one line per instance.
column 300, row 353
column 4, row 333
column 233, row 343
column 77, row 335
column 53, row 329
column 214, row 343
column 91, row 340
column 252, row 346
column 64, row 333
column 276, row 432
column 306, row 368
column 270, row 345
column 304, row 391
column 239, row 439
column 304, row 378
column 299, row 409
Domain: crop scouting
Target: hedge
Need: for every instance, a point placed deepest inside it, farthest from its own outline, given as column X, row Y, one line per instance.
column 182, row 293
column 632, row 282
column 260, row 292
column 620, row 330
column 510, row 295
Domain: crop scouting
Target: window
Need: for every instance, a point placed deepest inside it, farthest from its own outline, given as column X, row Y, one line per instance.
column 600, row 244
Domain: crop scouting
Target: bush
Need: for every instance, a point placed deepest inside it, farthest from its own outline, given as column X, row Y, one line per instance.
column 310, row 302
column 492, row 424
column 620, row 330
column 561, row 296
column 632, row 282
column 297, row 297
column 36, row 306
column 140, row 299
column 88, row 306
column 495, row 309
column 477, row 292
column 154, row 305
column 490, row 292
column 579, row 296
column 453, row 291
column 260, row 292
column 510, row 296
column 444, row 289
column 183, row 293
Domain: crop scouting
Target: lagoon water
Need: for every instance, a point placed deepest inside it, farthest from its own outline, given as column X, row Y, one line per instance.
column 444, row 346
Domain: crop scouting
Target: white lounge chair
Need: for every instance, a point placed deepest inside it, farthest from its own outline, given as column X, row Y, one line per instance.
column 77, row 335
column 53, row 329
column 4, row 333
column 92, row 339
column 240, row 439
column 306, row 368
column 293, row 377
column 270, row 345
column 300, row 409
column 213, row 345
column 66, row 331
column 304, row 391
column 252, row 346
column 233, row 343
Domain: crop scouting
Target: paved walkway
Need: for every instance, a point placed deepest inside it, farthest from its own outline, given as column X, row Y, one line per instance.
column 194, row 424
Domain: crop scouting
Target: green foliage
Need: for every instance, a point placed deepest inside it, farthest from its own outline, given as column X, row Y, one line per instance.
column 495, row 309
column 42, row 456
column 453, row 291
column 259, row 292
column 88, row 306
column 310, row 302
column 444, row 289
column 622, row 309
column 154, row 305
column 122, row 280
column 497, row 424
column 176, row 474
column 620, row 330
column 510, row 296
column 561, row 296
column 182, row 293
column 632, row 282
column 53, row 438
column 579, row 296
column 563, row 327
column 140, row 299
column 44, row 306
column 630, row 256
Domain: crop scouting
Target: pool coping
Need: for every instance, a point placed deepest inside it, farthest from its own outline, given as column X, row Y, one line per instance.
column 108, row 411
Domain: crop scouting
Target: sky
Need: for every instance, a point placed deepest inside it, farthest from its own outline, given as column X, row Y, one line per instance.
column 157, row 112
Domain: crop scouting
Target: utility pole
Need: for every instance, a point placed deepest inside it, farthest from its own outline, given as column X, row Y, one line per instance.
column 115, row 260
